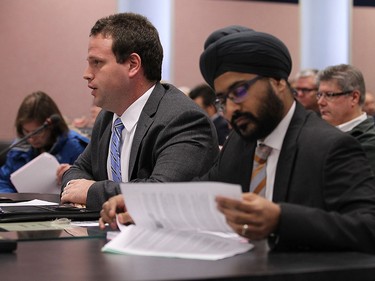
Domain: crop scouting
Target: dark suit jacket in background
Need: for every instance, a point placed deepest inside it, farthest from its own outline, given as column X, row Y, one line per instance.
column 222, row 128
column 364, row 132
column 174, row 141
column 323, row 184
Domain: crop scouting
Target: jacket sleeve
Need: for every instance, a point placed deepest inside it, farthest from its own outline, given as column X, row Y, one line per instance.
column 91, row 165
column 347, row 221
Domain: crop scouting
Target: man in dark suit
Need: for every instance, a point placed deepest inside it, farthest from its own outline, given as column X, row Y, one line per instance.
column 319, row 190
column 158, row 133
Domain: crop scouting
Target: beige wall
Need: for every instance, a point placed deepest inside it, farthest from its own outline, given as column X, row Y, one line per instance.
column 44, row 44
column 363, row 44
column 44, row 47
column 196, row 19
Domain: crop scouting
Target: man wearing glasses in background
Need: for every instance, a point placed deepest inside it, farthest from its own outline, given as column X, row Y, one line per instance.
column 306, row 87
column 341, row 97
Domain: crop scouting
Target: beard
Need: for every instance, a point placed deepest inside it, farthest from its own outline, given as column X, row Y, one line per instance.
column 269, row 115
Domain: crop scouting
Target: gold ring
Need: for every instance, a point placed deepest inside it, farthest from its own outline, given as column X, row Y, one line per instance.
column 245, row 227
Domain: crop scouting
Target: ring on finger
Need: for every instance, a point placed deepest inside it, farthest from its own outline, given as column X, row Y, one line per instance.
column 245, row 227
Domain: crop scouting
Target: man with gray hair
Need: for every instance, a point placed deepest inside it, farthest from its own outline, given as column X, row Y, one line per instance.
column 306, row 88
column 340, row 98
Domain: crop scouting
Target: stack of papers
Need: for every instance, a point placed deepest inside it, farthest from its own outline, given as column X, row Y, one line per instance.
column 178, row 220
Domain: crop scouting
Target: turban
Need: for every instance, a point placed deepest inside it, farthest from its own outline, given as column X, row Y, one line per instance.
column 240, row 49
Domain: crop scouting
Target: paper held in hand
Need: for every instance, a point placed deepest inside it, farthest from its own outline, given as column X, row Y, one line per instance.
column 37, row 176
column 178, row 220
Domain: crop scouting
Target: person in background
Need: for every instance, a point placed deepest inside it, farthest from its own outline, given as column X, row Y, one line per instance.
column 305, row 86
column 82, row 125
column 340, row 98
column 66, row 145
column 369, row 105
column 184, row 89
column 205, row 97
column 165, row 136
column 85, row 124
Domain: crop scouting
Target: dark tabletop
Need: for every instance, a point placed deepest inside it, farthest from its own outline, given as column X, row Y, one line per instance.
column 82, row 259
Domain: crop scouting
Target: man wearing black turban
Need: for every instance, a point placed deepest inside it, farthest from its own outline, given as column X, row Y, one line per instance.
column 320, row 191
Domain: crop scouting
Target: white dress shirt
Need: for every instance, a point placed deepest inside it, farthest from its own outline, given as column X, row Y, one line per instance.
column 348, row 126
column 130, row 119
column 275, row 140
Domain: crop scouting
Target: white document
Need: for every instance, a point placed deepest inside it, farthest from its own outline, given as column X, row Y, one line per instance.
column 37, row 176
column 34, row 202
column 178, row 220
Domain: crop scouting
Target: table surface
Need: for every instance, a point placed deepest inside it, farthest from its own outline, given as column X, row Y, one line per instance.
column 82, row 259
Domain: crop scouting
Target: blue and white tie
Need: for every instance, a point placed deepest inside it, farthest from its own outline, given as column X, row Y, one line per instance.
column 116, row 150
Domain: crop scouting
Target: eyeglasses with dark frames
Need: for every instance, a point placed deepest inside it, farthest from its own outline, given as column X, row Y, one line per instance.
column 237, row 94
column 329, row 96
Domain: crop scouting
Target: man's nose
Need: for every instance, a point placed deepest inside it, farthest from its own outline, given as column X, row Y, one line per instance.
column 87, row 75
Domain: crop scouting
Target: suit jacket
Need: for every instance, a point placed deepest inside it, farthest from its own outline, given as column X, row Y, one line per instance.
column 222, row 128
column 174, row 141
column 323, row 183
column 364, row 132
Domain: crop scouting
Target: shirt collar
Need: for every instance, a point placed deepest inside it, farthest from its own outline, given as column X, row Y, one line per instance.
column 131, row 115
column 348, row 126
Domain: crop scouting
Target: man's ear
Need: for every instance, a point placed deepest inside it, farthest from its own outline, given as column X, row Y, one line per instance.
column 281, row 85
column 135, row 64
column 356, row 96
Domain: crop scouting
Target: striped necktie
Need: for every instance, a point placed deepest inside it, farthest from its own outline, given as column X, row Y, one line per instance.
column 258, row 176
column 116, row 150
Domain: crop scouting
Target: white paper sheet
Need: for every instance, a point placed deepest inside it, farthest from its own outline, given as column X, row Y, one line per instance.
column 34, row 202
column 173, row 243
column 37, row 176
column 178, row 220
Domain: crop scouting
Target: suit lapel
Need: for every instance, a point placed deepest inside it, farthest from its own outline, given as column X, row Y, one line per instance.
column 104, row 146
column 101, row 133
column 144, row 123
column 287, row 158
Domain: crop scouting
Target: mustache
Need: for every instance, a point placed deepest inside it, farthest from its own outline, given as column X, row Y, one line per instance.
column 238, row 114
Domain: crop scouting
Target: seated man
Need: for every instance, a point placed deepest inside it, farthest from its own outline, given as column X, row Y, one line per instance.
column 369, row 105
column 205, row 97
column 147, row 131
column 316, row 189
column 306, row 88
column 340, row 98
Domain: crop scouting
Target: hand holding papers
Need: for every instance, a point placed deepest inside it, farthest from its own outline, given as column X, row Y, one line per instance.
column 178, row 220
column 37, row 176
